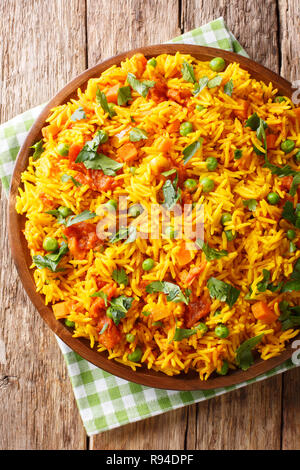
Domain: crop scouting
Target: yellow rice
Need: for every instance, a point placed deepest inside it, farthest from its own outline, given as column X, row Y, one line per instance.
column 261, row 242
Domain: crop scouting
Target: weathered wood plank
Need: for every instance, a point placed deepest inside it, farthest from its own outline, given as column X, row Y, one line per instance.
column 42, row 47
column 166, row 431
column 120, row 25
column 132, row 24
column 254, row 24
column 289, row 28
column 246, row 419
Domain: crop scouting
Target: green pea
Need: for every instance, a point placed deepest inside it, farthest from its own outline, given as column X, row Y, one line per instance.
column 279, row 99
column 290, row 234
column 224, row 368
column 217, row 64
column 273, row 198
column 226, row 217
column 186, row 128
column 111, row 205
column 111, row 109
column 217, row 312
column 132, row 169
column 170, row 232
column 287, row 146
column 190, row 185
column 211, row 163
column 152, row 62
column 158, row 323
column 207, row 185
column 69, row 323
column 200, row 107
column 135, row 210
column 63, row 149
column 148, row 264
column 221, row 331
column 136, row 355
column 130, row 338
column 230, row 235
column 297, row 157
column 50, row 244
column 202, row 327
column 64, row 211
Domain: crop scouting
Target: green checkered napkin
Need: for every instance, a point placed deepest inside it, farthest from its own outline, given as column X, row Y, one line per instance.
column 104, row 400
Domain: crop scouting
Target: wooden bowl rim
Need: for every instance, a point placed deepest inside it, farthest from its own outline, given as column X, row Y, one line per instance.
column 20, row 252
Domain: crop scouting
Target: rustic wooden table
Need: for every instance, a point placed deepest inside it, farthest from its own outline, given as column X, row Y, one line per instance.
column 45, row 43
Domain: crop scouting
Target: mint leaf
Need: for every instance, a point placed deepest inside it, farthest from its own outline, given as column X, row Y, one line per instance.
column 222, row 291
column 102, row 100
column 191, row 149
column 214, row 82
column 174, row 293
column 228, row 87
column 244, row 357
column 198, row 87
column 171, row 196
column 140, row 87
column 120, row 276
column 136, row 134
column 38, row 150
column 118, row 308
column 75, row 219
column 187, row 71
column 78, row 114
column 64, row 178
column 211, row 253
column 51, row 260
column 124, row 95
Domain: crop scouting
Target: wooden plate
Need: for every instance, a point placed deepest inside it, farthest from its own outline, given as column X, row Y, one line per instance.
column 23, row 260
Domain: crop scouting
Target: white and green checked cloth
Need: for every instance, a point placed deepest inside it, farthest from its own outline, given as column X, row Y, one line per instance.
column 106, row 401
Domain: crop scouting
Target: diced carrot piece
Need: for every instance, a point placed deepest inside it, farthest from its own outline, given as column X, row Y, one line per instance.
column 111, row 336
column 50, row 131
column 263, row 312
column 159, row 312
column 241, row 113
column 184, row 256
column 127, row 152
column 174, row 126
column 194, row 272
column 112, row 94
column 61, row 309
column 164, row 145
column 271, row 139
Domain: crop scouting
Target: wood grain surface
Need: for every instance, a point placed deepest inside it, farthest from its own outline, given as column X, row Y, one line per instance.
column 43, row 45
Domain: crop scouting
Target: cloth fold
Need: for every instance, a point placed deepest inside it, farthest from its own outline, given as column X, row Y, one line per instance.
column 104, row 400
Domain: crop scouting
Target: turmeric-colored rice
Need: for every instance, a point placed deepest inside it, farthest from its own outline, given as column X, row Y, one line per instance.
column 254, row 237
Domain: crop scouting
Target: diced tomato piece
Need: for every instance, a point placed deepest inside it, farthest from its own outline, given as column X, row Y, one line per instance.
column 111, row 336
column 194, row 273
column 74, row 151
column 81, row 238
column 196, row 310
column 158, row 93
column 271, row 139
column 178, row 95
column 286, row 182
